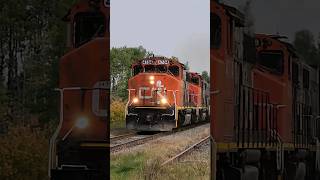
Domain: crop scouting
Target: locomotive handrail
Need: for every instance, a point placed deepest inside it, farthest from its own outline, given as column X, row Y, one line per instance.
column 278, row 106
column 54, row 137
column 129, row 97
column 74, row 166
column 52, row 146
column 252, row 88
column 175, row 102
column 280, row 152
column 174, row 95
column 215, row 92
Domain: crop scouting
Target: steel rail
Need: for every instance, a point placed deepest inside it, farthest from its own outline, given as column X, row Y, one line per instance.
column 186, row 151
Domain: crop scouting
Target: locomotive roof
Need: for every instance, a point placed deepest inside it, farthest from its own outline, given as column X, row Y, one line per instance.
column 196, row 74
column 289, row 47
column 159, row 60
column 93, row 3
column 236, row 14
column 279, row 38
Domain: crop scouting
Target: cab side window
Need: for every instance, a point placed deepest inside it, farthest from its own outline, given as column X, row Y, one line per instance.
column 215, row 31
column 306, row 79
column 88, row 26
column 272, row 60
column 174, row 70
column 295, row 73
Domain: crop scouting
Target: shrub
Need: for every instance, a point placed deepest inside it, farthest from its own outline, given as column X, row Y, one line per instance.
column 117, row 113
column 23, row 154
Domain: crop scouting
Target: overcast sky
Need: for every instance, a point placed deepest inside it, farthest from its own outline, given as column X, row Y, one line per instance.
column 284, row 16
column 179, row 28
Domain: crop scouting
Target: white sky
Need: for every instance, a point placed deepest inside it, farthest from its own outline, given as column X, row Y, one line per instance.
column 179, row 28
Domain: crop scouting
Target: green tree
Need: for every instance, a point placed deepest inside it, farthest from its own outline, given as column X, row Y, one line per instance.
column 305, row 44
column 121, row 60
column 32, row 42
column 186, row 65
column 205, row 76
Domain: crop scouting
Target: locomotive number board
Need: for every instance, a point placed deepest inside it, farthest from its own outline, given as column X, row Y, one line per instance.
column 155, row 62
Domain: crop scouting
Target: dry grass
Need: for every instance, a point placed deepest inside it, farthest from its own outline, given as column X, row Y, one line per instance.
column 23, row 154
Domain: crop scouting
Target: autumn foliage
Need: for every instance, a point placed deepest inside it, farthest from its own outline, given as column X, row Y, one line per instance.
column 117, row 111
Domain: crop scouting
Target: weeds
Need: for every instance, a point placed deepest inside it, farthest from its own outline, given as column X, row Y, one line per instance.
column 117, row 110
column 129, row 166
column 24, row 154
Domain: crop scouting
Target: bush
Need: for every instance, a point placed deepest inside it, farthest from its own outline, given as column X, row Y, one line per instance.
column 24, row 154
column 117, row 111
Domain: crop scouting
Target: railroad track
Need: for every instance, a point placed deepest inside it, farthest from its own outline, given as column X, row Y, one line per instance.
column 114, row 138
column 187, row 151
column 138, row 141
column 135, row 142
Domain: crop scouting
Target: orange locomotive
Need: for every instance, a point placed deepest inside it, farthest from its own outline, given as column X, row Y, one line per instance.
column 78, row 148
column 265, row 104
column 163, row 95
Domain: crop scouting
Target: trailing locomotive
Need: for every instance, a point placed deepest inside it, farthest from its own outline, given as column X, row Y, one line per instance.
column 265, row 101
column 163, row 95
column 79, row 146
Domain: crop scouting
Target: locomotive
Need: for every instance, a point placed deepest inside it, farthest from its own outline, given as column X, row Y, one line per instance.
column 79, row 146
column 164, row 95
column 265, row 104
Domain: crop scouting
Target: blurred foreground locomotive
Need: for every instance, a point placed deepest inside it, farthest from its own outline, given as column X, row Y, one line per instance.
column 79, row 146
column 163, row 95
column 264, row 102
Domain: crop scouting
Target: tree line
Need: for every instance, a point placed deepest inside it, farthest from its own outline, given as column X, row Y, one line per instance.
column 32, row 41
column 307, row 47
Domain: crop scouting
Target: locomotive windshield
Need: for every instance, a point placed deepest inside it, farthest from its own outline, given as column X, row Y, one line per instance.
column 174, row 70
column 272, row 60
column 150, row 69
column 137, row 69
column 195, row 80
column 215, row 34
column 155, row 68
column 88, row 26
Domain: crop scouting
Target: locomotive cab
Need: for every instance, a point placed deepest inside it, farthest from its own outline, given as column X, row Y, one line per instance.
column 273, row 72
column 154, row 94
column 78, row 148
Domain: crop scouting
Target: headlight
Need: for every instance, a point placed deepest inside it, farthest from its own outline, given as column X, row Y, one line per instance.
column 82, row 122
column 135, row 100
column 151, row 79
column 164, row 101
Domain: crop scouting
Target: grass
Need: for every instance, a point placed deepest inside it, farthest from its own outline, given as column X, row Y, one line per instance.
column 142, row 166
column 145, row 162
column 190, row 170
column 24, row 154
column 128, row 166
